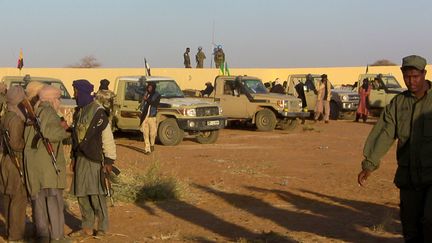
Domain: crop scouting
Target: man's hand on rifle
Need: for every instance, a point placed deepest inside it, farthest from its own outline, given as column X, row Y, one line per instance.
column 64, row 124
column 107, row 168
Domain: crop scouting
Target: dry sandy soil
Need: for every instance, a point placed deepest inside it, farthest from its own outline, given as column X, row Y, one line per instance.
column 261, row 187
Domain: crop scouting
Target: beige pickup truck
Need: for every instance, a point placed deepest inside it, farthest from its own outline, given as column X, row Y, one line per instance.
column 244, row 98
column 177, row 116
column 384, row 88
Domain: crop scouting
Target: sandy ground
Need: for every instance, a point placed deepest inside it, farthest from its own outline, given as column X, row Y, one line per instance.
column 253, row 186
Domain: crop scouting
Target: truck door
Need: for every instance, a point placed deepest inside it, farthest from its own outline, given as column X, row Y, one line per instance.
column 234, row 105
column 308, row 91
column 129, row 94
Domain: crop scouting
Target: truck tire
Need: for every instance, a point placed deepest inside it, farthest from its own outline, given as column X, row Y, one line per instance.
column 334, row 110
column 169, row 132
column 265, row 120
column 207, row 137
column 288, row 125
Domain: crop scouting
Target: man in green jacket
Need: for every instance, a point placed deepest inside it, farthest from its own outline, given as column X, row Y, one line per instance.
column 408, row 119
column 44, row 182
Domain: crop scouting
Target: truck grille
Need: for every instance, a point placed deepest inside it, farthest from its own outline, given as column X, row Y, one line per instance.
column 207, row 111
column 353, row 97
column 294, row 105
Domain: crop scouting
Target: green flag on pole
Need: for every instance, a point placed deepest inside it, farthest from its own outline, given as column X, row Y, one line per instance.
column 227, row 72
column 222, row 68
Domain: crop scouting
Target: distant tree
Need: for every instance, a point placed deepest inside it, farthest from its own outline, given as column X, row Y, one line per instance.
column 383, row 62
column 86, row 62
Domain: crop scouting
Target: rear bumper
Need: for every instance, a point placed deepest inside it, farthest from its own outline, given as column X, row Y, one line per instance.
column 202, row 124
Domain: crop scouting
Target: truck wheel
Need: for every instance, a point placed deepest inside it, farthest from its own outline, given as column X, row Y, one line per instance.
column 334, row 110
column 169, row 133
column 206, row 137
column 265, row 120
column 288, row 125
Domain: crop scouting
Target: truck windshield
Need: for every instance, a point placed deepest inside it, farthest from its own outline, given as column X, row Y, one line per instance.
column 168, row 89
column 390, row 82
column 255, row 86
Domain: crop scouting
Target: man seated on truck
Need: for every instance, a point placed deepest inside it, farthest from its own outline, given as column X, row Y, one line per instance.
column 208, row 90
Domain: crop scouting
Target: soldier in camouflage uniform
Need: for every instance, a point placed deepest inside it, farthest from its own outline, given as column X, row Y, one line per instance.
column 219, row 57
column 105, row 97
column 199, row 57
column 408, row 119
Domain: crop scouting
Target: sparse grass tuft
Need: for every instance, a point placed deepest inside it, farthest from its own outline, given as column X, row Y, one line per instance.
column 267, row 237
column 152, row 186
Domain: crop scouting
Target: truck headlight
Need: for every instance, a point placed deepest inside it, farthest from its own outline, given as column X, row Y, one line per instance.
column 188, row 112
column 344, row 98
column 220, row 110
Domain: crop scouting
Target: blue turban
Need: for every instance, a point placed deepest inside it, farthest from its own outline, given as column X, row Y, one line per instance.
column 84, row 88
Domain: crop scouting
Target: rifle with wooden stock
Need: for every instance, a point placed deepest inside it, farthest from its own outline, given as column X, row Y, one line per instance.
column 11, row 153
column 39, row 135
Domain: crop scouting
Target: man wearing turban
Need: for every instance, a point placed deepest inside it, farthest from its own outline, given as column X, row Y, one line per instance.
column 11, row 178
column 45, row 184
column 93, row 152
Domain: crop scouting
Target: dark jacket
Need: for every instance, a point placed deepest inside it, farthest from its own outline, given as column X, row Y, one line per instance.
column 277, row 89
column 90, row 120
column 151, row 104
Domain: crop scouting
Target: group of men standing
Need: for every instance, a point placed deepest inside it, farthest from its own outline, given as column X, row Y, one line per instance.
column 218, row 53
column 33, row 165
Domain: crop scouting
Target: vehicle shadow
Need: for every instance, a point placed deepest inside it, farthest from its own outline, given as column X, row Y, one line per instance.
column 333, row 218
column 204, row 219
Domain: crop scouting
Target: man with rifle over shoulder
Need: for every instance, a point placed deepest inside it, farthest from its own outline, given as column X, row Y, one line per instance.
column 12, row 183
column 44, row 160
column 93, row 154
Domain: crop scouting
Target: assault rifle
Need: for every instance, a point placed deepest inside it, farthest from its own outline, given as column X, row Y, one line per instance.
column 37, row 127
column 106, row 182
column 12, row 155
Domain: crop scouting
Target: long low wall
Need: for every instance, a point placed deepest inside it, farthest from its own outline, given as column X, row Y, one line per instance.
column 196, row 78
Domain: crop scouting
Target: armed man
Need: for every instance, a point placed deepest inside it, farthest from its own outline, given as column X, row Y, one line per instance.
column 44, row 162
column 105, row 97
column 407, row 119
column 93, row 154
column 186, row 58
column 12, row 184
column 199, row 57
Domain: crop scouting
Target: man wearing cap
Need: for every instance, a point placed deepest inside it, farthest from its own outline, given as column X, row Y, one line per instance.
column 407, row 119
column 44, row 183
column 322, row 106
column 199, row 57
column 93, row 153
column 11, row 182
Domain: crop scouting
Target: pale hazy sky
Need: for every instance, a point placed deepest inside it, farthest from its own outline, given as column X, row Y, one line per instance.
column 253, row 33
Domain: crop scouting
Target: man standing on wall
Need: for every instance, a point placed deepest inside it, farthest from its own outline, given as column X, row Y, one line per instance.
column 186, row 58
column 200, row 56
